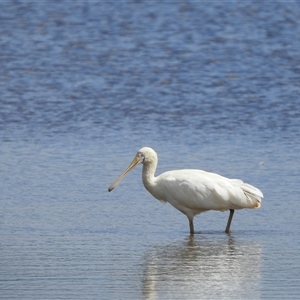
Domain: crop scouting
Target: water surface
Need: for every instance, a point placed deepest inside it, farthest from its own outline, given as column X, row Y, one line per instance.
column 84, row 85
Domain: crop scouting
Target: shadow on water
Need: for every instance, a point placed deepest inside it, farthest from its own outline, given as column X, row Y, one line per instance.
column 203, row 268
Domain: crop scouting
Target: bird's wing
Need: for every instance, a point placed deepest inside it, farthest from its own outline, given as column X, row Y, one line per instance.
column 194, row 189
column 200, row 190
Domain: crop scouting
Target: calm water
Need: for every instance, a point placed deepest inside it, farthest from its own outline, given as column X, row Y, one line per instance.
column 208, row 85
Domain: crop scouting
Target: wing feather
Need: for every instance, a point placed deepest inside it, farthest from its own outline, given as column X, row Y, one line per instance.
column 200, row 191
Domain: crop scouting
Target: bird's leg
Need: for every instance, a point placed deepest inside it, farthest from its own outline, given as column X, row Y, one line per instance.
column 191, row 226
column 227, row 230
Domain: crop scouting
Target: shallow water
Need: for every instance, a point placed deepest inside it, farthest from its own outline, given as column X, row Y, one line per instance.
column 209, row 86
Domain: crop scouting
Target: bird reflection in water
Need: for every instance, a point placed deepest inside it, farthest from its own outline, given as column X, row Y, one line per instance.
column 203, row 268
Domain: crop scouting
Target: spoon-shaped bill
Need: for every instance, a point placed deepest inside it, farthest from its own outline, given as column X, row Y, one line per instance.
column 137, row 160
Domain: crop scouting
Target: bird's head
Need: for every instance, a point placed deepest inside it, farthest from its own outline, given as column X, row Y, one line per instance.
column 145, row 155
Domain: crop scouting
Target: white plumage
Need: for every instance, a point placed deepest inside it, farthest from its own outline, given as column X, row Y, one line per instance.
column 194, row 191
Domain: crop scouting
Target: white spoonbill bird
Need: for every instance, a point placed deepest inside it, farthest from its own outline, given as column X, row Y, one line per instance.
column 194, row 191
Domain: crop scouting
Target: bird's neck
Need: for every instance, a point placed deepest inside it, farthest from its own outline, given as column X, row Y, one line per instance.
column 148, row 176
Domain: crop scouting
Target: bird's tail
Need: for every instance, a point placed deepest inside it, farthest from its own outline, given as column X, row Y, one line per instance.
column 253, row 194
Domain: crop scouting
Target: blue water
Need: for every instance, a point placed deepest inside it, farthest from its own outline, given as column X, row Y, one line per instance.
column 208, row 85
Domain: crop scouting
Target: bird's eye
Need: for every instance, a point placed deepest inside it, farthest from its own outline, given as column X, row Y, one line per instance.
column 141, row 156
